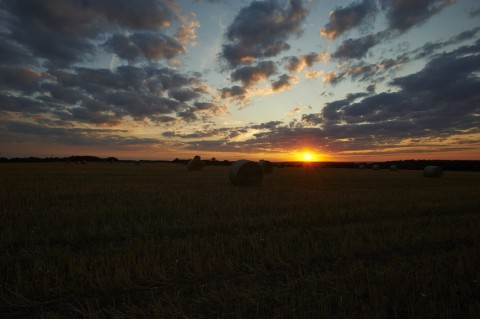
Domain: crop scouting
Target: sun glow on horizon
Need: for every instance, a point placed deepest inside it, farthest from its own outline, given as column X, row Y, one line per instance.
column 308, row 155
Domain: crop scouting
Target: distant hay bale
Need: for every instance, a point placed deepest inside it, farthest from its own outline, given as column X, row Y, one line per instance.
column 376, row 167
column 267, row 166
column 137, row 163
column 361, row 166
column 246, row 173
column 83, row 162
column 394, row 168
column 195, row 164
column 432, row 171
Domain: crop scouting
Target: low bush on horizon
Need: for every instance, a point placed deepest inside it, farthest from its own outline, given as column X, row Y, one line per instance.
column 159, row 241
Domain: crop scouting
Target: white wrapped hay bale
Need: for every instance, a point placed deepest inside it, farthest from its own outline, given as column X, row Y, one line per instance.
column 267, row 166
column 361, row 166
column 432, row 171
column 245, row 173
column 376, row 167
column 394, row 168
column 195, row 164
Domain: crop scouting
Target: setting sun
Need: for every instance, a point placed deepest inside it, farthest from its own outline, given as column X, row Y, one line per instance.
column 307, row 157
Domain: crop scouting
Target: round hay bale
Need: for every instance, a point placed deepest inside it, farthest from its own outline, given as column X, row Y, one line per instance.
column 376, row 167
column 361, row 166
column 432, row 171
column 267, row 166
column 195, row 164
column 245, row 173
column 394, row 168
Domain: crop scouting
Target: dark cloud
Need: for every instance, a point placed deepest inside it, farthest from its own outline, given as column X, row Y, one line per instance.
column 438, row 102
column 386, row 68
column 429, row 49
column 144, row 14
column 401, row 15
column 75, row 136
column 334, row 78
column 267, row 125
column 188, row 115
column 442, row 98
column 234, row 92
column 284, row 82
column 224, row 133
column 13, row 53
column 141, row 106
column 62, row 94
column 104, row 97
column 405, row 14
column 149, row 45
column 366, row 72
column 250, row 75
column 19, row 78
column 20, row 104
column 358, row 48
column 349, row 17
column 64, row 32
column 183, row 95
column 261, row 29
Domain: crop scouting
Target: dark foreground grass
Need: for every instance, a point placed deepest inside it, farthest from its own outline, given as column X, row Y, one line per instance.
column 158, row 241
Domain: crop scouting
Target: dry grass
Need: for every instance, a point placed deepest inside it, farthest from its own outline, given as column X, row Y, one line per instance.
column 128, row 241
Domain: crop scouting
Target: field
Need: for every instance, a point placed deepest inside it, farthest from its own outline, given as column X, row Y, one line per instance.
column 157, row 241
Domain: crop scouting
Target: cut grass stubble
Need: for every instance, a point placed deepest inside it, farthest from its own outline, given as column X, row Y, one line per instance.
column 122, row 240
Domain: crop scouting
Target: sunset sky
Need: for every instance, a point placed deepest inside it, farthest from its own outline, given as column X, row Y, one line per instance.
column 341, row 80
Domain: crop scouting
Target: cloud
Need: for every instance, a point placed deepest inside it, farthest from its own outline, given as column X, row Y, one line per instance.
column 358, row 48
column 284, row 82
column 19, row 78
column 103, row 97
column 13, row 53
column 149, row 45
column 261, row 29
column 187, row 33
column 297, row 64
column 313, row 74
column 250, row 75
column 65, row 32
column 442, row 98
column 75, row 136
column 343, row 19
column 183, row 95
column 145, row 14
column 333, row 78
column 267, row 125
column 386, row 68
column 402, row 15
column 437, row 103
column 234, row 92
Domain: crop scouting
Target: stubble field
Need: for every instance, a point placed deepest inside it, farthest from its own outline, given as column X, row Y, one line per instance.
column 157, row 241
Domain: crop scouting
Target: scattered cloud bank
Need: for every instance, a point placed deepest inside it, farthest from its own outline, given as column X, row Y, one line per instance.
column 437, row 103
column 53, row 89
